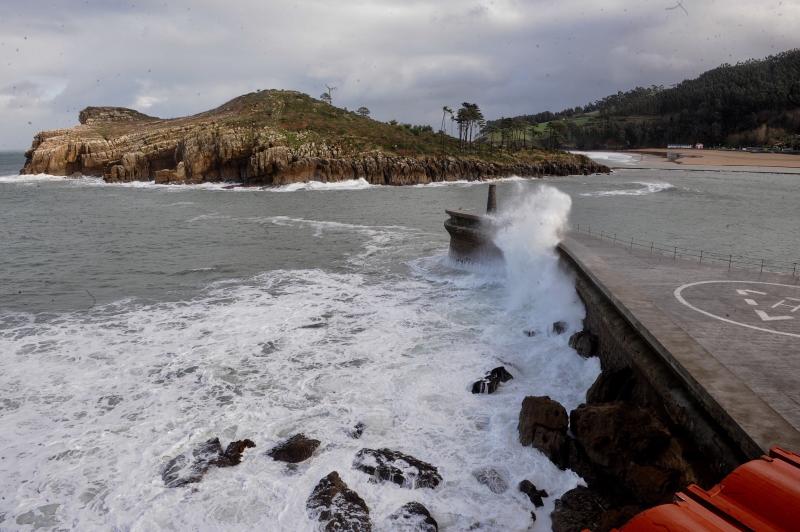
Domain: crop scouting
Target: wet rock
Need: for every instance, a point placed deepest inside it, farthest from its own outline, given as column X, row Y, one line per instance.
column 413, row 517
column 490, row 382
column 629, row 446
column 357, row 430
column 534, row 494
column 609, row 386
column 188, row 468
column 543, row 425
column 578, row 509
column 338, row 507
column 584, row 343
column 296, row 449
column 559, row 327
column 492, row 479
column 394, row 466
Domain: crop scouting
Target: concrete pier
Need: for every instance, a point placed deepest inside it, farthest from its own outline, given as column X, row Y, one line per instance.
column 730, row 338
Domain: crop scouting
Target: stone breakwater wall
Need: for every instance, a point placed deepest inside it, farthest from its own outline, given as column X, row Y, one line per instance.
column 188, row 155
column 641, row 434
column 653, row 384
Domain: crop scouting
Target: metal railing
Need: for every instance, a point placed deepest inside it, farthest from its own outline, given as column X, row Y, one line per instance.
column 701, row 256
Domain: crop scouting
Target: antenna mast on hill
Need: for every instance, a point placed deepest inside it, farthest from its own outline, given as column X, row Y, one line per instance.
column 330, row 92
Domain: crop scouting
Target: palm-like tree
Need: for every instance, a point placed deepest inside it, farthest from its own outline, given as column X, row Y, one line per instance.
column 445, row 111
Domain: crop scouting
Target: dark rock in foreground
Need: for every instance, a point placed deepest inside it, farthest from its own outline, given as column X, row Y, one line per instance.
column 294, row 450
column 338, row 507
column 559, row 327
column 584, row 343
column 492, row 479
column 615, row 385
column 584, row 508
column 543, row 425
column 578, row 509
column 534, row 494
column 185, row 469
column 413, row 517
column 629, row 446
column 394, row 466
column 490, row 382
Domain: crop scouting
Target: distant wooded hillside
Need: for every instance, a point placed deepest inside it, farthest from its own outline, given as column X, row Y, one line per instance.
column 753, row 103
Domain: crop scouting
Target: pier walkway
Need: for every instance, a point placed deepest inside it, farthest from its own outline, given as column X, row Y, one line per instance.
column 733, row 336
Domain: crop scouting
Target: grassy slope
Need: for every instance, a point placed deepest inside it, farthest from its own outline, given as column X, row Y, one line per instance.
column 299, row 119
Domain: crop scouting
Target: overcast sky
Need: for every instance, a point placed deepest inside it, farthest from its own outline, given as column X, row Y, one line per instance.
column 403, row 59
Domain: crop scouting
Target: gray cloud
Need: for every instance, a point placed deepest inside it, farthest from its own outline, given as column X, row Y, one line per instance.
column 403, row 59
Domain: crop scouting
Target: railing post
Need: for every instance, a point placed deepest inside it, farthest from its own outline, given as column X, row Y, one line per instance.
column 701, row 256
column 631, row 243
column 652, row 244
column 730, row 259
column 675, row 253
column 794, row 270
column 615, row 239
column 762, row 265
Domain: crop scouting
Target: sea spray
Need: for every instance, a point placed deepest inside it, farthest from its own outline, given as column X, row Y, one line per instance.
column 530, row 229
column 101, row 398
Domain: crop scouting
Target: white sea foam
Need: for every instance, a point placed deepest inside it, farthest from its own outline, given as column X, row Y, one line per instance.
column 99, row 400
column 643, row 189
column 350, row 184
column 610, row 157
column 474, row 182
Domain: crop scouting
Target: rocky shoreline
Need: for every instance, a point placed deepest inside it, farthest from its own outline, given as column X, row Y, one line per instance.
column 255, row 140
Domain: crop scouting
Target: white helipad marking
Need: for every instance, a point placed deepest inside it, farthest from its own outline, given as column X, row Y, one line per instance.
column 766, row 317
column 746, row 292
column 680, row 298
column 751, row 302
column 782, row 303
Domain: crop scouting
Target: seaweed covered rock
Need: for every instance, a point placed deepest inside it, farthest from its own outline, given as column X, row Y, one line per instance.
column 413, row 517
column 534, row 494
column 393, row 466
column 490, row 382
column 187, row 468
column 337, row 507
column 296, row 449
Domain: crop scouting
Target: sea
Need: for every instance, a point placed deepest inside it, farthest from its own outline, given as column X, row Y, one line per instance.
column 139, row 320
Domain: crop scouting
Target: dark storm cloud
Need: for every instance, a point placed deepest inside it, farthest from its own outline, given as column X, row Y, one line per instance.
column 402, row 59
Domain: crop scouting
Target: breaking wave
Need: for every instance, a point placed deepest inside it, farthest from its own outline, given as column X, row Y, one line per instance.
column 115, row 391
column 643, row 189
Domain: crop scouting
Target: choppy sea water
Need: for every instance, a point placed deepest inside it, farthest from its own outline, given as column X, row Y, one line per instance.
column 137, row 321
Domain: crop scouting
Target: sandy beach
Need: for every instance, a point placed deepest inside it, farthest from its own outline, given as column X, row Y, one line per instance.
column 724, row 158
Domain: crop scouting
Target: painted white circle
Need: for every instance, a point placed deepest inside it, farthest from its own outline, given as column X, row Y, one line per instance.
column 680, row 298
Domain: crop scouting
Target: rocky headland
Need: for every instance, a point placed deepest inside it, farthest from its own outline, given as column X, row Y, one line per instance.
column 275, row 138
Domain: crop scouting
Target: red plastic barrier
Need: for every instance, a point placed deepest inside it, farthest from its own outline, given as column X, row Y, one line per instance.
column 762, row 494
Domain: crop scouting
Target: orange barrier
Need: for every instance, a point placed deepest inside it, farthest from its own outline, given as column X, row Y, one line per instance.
column 762, row 494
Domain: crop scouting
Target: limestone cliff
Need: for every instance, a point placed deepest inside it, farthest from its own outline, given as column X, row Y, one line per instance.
column 273, row 138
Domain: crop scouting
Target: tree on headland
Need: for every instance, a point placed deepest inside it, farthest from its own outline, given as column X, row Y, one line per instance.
column 363, row 111
column 469, row 118
column 445, row 111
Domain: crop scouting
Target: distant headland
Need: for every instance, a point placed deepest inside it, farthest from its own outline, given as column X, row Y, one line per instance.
column 277, row 137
